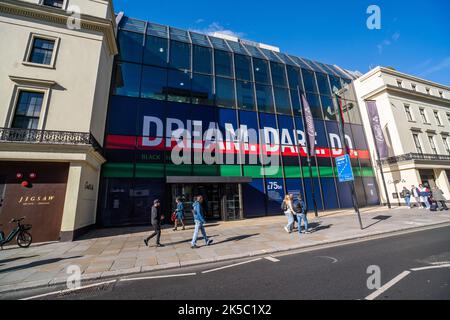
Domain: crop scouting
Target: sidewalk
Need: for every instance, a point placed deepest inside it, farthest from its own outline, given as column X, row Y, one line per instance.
column 112, row 252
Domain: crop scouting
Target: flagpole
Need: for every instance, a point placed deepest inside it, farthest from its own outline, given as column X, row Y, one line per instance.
column 380, row 166
column 308, row 158
column 346, row 151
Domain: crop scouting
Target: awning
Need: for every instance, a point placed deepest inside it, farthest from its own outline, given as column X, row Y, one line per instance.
column 207, row 179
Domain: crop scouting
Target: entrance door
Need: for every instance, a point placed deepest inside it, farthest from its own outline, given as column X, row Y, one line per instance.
column 230, row 202
column 2, row 191
column 427, row 177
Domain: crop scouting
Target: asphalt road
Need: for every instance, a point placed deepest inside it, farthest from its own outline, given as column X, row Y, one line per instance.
column 338, row 272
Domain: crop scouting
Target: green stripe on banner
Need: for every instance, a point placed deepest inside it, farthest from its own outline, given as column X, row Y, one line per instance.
column 292, row 172
column 253, row 171
column 178, row 170
column 149, row 170
column 230, row 171
column 205, row 170
column 273, row 172
column 326, row 172
column 306, row 173
column 117, row 170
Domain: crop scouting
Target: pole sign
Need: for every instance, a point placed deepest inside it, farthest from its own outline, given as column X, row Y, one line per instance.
column 344, row 168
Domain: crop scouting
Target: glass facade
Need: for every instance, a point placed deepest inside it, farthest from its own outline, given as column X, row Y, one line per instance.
column 162, row 85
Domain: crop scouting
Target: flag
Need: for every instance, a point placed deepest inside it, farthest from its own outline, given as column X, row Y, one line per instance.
column 309, row 127
column 374, row 118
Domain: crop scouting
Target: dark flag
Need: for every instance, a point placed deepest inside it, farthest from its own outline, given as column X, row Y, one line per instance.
column 309, row 127
column 374, row 118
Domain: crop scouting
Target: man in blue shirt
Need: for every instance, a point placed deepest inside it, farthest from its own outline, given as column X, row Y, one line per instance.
column 199, row 220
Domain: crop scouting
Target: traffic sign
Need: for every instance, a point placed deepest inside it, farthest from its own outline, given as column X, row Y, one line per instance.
column 344, row 168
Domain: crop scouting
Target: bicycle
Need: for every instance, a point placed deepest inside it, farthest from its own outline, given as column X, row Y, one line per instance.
column 23, row 238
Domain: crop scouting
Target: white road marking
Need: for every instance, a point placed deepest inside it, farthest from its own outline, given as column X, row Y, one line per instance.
column 232, row 265
column 431, row 267
column 440, row 263
column 331, row 258
column 272, row 259
column 388, row 285
column 68, row 290
column 159, row 277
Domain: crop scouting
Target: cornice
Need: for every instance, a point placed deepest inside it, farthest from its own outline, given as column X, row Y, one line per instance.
column 57, row 16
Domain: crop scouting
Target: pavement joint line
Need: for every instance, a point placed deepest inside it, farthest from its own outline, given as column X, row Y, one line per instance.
column 431, row 267
column 158, row 277
column 69, row 290
column 231, row 265
column 387, row 285
column 270, row 258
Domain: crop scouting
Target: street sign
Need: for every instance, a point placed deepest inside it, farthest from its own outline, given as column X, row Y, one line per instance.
column 344, row 168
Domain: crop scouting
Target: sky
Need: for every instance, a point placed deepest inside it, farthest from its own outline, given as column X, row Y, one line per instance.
column 414, row 36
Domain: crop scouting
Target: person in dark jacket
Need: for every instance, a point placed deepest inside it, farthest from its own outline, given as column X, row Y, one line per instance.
column 156, row 218
column 179, row 213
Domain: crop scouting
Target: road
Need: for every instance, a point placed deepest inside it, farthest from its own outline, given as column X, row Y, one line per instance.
column 338, row 272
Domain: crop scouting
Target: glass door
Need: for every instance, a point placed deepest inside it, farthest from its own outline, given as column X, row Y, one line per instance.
column 230, row 202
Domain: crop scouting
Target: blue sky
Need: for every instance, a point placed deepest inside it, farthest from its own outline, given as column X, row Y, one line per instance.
column 414, row 36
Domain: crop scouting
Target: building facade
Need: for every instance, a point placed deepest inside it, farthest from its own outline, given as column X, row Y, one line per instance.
column 415, row 116
column 223, row 91
column 55, row 72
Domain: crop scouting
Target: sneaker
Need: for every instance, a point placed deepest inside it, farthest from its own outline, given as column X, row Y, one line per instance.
column 183, row 228
column 209, row 242
column 307, row 232
column 286, row 229
column 193, row 246
column 174, row 229
column 146, row 242
column 159, row 245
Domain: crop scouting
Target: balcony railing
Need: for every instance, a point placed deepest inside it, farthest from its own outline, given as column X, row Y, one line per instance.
column 416, row 156
column 49, row 137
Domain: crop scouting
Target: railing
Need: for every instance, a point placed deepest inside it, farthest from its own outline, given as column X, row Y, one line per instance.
column 416, row 156
column 49, row 137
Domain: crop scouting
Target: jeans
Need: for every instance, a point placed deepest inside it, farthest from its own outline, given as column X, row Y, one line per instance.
column 199, row 225
column 408, row 201
column 426, row 202
column 290, row 218
column 301, row 217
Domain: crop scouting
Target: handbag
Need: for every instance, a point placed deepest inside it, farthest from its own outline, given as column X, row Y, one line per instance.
column 173, row 217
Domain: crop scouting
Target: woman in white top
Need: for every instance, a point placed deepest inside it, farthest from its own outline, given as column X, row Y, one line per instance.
column 288, row 209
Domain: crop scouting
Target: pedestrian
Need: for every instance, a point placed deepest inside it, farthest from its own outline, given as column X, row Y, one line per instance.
column 424, row 195
column 291, row 197
column 301, row 211
column 438, row 196
column 199, row 219
column 407, row 195
column 416, row 195
column 288, row 210
column 156, row 218
column 179, row 214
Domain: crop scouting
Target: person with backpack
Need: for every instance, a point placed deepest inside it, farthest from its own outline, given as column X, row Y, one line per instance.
column 407, row 195
column 287, row 208
column 179, row 214
column 301, row 210
column 199, row 219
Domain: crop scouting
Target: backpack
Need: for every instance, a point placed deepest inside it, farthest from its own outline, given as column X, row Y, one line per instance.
column 298, row 208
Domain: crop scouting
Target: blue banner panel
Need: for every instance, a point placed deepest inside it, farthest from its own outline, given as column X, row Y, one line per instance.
column 308, row 191
column 345, row 194
column 275, row 196
column 254, row 198
column 329, row 193
column 122, row 116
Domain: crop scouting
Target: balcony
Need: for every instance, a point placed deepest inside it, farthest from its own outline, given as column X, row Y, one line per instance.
column 416, row 156
column 32, row 136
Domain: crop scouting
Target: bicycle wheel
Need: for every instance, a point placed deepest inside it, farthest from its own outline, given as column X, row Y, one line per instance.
column 24, row 239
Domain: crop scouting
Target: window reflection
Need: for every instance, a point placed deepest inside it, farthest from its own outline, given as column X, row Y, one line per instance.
column 282, row 101
column 295, row 101
column 329, row 112
column 322, row 81
column 154, row 83
column 225, row 93
column 264, row 98
column 245, row 95
column 314, row 104
column 261, row 70
column 180, row 55
column 155, row 51
column 130, row 46
column 127, row 79
column 278, row 74
column 243, row 67
column 202, row 59
column 179, row 86
column 222, row 62
column 293, row 77
column 202, row 89
column 309, row 81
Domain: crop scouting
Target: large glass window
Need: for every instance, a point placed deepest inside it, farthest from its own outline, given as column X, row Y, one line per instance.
column 243, row 67
column 180, row 55
column 202, row 59
column 127, row 79
column 335, row 83
column 282, row 101
column 264, row 98
column 293, row 77
column 314, row 104
column 202, row 92
column 179, row 86
column 42, row 51
column 261, row 71
column 309, row 81
column 225, row 93
column 222, row 62
column 155, row 51
column 278, row 74
column 329, row 112
column 322, row 81
column 53, row 3
column 417, row 143
column 245, row 95
column 28, row 110
column 154, row 83
column 130, row 46
column 295, row 101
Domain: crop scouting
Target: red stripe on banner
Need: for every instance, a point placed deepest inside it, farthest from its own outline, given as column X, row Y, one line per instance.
column 120, row 142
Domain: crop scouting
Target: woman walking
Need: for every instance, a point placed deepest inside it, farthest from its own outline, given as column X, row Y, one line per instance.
column 179, row 213
column 288, row 210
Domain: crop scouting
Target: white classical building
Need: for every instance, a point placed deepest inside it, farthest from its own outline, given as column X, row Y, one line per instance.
column 55, row 70
column 415, row 117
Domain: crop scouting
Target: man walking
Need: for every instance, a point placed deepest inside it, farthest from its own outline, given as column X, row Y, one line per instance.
column 300, row 212
column 199, row 220
column 156, row 218
column 407, row 196
column 424, row 194
column 416, row 195
column 438, row 196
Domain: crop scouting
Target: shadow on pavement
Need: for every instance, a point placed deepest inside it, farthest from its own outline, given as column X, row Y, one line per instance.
column 379, row 219
column 237, row 238
column 37, row 264
column 15, row 259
